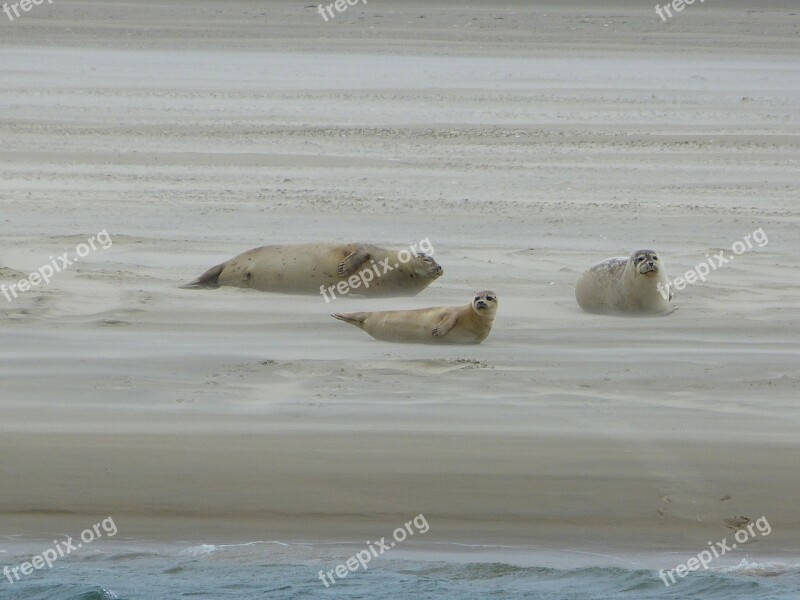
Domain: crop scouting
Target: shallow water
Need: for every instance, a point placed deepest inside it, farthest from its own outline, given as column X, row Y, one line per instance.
column 249, row 571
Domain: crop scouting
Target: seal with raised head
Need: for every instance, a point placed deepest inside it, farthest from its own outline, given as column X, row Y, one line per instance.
column 468, row 324
column 625, row 286
column 326, row 269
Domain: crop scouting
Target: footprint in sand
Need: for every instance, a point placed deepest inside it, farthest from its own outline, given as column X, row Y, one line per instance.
column 736, row 522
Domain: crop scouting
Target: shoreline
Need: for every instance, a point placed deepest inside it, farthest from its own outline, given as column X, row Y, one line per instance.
column 315, row 553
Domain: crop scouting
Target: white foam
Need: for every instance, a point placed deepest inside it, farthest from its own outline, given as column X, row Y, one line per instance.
column 758, row 569
column 206, row 549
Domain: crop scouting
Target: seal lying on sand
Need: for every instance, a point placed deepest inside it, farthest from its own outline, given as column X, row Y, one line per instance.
column 326, row 268
column 468, row 324
column 634, row 286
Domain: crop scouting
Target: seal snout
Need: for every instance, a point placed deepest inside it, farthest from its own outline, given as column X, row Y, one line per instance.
column 648, row 267
column 646, row 261
column 429, row 268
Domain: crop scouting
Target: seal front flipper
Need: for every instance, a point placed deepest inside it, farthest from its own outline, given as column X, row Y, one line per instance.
column 209, row 279
column 445, row 325
column 352, row 263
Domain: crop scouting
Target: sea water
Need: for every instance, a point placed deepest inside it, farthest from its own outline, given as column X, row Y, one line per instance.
column 267, row 570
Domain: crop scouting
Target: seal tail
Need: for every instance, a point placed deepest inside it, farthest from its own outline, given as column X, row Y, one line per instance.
column 209, row 279
column 356, row 319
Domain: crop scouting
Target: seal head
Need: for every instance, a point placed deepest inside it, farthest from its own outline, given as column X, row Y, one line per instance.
column 425, row 266
column 646, row 262
column 485, row 304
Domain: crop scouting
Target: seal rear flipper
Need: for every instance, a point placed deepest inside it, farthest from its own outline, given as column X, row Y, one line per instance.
column 356, row 319
column 351, row 263
column 209, row 279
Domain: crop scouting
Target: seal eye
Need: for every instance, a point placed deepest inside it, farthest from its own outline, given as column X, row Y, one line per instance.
column 654, row 257
column 639, row 259
column 490, row 298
